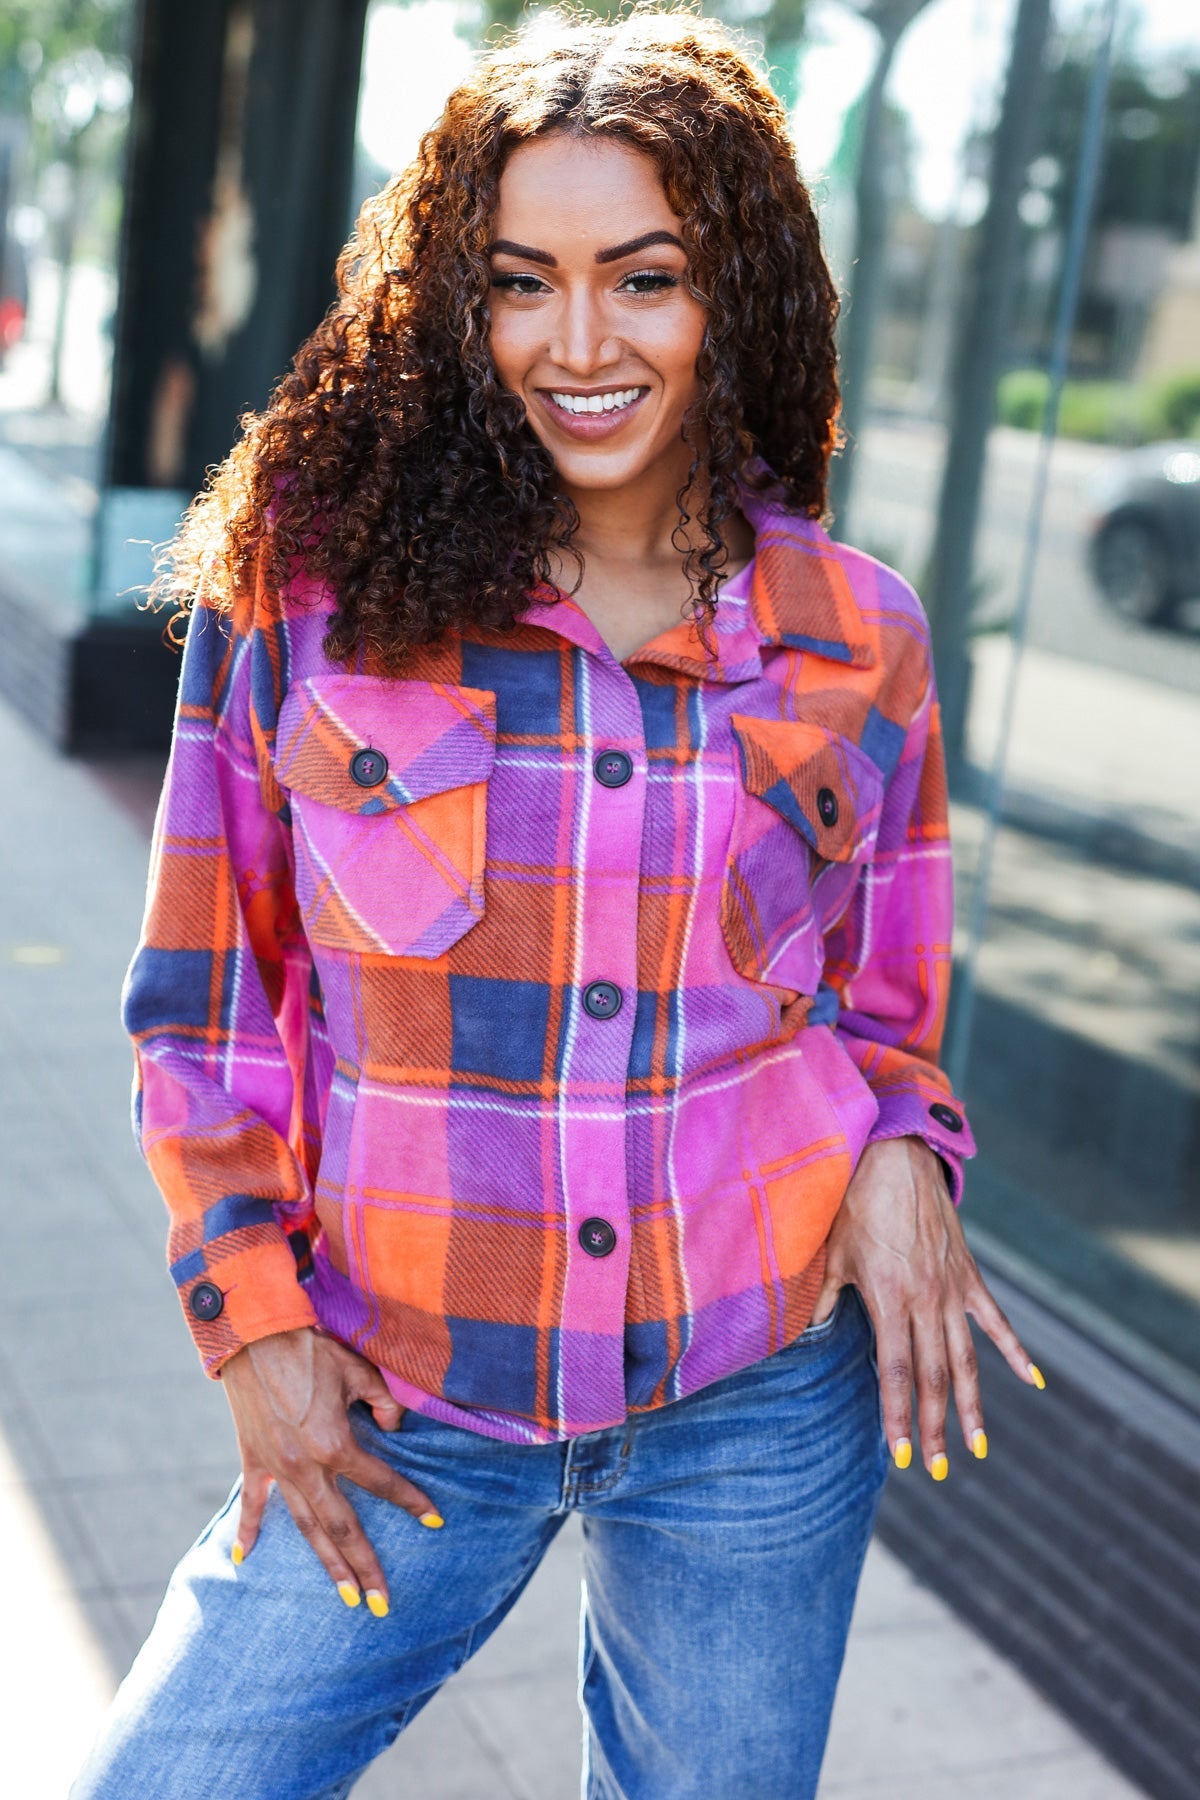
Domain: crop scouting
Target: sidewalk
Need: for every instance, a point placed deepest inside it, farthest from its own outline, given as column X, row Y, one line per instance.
column 114, row 1449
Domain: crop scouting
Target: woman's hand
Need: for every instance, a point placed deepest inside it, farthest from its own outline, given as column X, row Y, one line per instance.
column 898, row 1238
column 289, row 1395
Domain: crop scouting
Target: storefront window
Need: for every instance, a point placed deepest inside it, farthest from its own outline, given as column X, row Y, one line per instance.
column 65, row 91
column 1077, row 1030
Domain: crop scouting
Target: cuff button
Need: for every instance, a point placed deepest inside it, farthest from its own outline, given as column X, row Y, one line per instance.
column 206, row 1301
column 946, row 1115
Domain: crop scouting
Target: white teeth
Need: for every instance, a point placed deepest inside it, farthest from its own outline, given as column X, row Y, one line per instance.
column 596, row 403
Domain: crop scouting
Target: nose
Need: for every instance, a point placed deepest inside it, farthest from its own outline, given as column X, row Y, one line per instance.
column 583, row 340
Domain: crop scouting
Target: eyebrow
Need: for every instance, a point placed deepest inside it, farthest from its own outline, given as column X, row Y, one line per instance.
column 506, row 247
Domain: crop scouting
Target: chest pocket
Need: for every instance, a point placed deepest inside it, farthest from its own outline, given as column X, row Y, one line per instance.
column 388, row 784
column 806, row 819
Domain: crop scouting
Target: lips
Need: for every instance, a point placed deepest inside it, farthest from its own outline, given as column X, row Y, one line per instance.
column 559, row 406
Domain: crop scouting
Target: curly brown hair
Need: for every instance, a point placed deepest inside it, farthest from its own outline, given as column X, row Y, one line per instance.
column 391, row 464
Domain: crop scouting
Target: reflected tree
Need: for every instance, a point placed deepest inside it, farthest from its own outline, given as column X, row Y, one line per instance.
column 63, row 65
column 984, row 324
column 891, row 19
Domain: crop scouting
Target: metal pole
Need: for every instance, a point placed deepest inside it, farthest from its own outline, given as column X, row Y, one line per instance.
column 1090, row 154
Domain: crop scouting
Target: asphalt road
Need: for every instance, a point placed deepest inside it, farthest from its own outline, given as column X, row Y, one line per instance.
column 895, row 496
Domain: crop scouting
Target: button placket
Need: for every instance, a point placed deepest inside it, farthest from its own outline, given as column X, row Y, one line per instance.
column 606, row 840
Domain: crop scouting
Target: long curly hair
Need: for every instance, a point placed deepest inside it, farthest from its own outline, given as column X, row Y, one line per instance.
column 392, row 466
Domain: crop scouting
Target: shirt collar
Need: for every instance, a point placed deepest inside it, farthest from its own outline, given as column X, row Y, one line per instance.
column 800, row 599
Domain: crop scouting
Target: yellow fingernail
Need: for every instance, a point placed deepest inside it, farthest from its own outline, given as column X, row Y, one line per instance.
column 902, row 1454
column 349, row 1593
column 377, row 1603
column 434, row 1520
column 979, row 1443
column 940, row 1466
column 237, row 1555
column 1039, row 1380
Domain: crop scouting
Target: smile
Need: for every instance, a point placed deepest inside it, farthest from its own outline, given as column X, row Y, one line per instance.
column 591, row 416
column 594, row 403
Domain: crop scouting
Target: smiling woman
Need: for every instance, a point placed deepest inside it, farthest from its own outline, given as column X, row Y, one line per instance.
column 406, row 461
column 545, row 962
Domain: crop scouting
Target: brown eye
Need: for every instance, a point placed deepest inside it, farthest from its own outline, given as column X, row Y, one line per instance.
column 649, row 281
column 519, row 284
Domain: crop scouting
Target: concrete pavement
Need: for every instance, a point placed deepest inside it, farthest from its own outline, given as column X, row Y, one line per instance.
column 114, row 1449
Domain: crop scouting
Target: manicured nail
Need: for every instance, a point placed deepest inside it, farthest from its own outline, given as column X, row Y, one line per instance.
column 902, row 1454
column 377, row 1603
column 434, row 1520
column 979, row 1443
column 1039, row 1380
column 940, row 1466
column 349, row 1593
column 237, row 1555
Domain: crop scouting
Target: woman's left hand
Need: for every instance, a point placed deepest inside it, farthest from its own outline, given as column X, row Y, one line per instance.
column 898, row 1239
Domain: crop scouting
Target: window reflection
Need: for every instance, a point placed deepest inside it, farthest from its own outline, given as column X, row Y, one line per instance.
column 65, row 92
column 1083, row 1060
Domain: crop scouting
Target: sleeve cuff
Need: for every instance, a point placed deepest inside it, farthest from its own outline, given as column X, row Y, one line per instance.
column 240, row 1296
column 934, row 1116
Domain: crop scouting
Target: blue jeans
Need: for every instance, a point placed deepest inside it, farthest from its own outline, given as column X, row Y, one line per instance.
column 724, row 1537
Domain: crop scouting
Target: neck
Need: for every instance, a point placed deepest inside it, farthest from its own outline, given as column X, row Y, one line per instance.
column 637, row 523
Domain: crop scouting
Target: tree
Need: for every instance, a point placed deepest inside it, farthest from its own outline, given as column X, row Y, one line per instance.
column 891, row 19
column 778, row 25
column 983, row 327
column 64, row 64
column 1148, row 181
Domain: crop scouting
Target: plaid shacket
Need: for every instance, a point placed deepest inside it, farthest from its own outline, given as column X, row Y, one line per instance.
column 520, row 1020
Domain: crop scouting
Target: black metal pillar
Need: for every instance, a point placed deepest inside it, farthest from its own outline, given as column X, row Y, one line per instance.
column 239, row 180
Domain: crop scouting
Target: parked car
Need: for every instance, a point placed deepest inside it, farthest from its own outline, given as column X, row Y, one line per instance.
column 1144, row 551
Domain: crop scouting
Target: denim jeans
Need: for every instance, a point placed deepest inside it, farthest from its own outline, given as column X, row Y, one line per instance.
column 724, row 1536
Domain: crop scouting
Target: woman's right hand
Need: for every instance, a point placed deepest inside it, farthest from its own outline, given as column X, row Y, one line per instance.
column 290, row 1395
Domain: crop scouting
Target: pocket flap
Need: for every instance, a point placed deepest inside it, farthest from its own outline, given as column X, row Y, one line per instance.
column 819, row 781
column 427, row 735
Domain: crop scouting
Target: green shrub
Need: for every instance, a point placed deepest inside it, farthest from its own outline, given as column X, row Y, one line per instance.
column 1021, row 398
column 1104, row 412
column 1174, row 405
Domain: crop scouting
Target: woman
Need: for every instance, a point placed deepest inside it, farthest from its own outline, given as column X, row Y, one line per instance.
column 545, row 962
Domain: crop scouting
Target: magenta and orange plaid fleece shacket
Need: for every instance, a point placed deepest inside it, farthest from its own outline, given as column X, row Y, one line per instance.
column 520, row 1020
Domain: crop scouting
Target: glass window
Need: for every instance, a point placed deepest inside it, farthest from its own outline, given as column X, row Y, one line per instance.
column 1074, row 720
column 65, row 91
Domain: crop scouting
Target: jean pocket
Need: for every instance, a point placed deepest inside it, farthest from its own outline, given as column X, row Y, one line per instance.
column 815, row 1333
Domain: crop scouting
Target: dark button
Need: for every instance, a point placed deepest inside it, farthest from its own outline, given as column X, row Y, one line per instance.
column 602, row 999
column 827, row 806
column 206, row 1300
column 368, row 767
column 597, row 1237
column 612, row 768
column 946, row 1115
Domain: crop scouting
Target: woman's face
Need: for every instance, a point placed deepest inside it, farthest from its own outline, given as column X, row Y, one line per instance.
column 592, row 323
